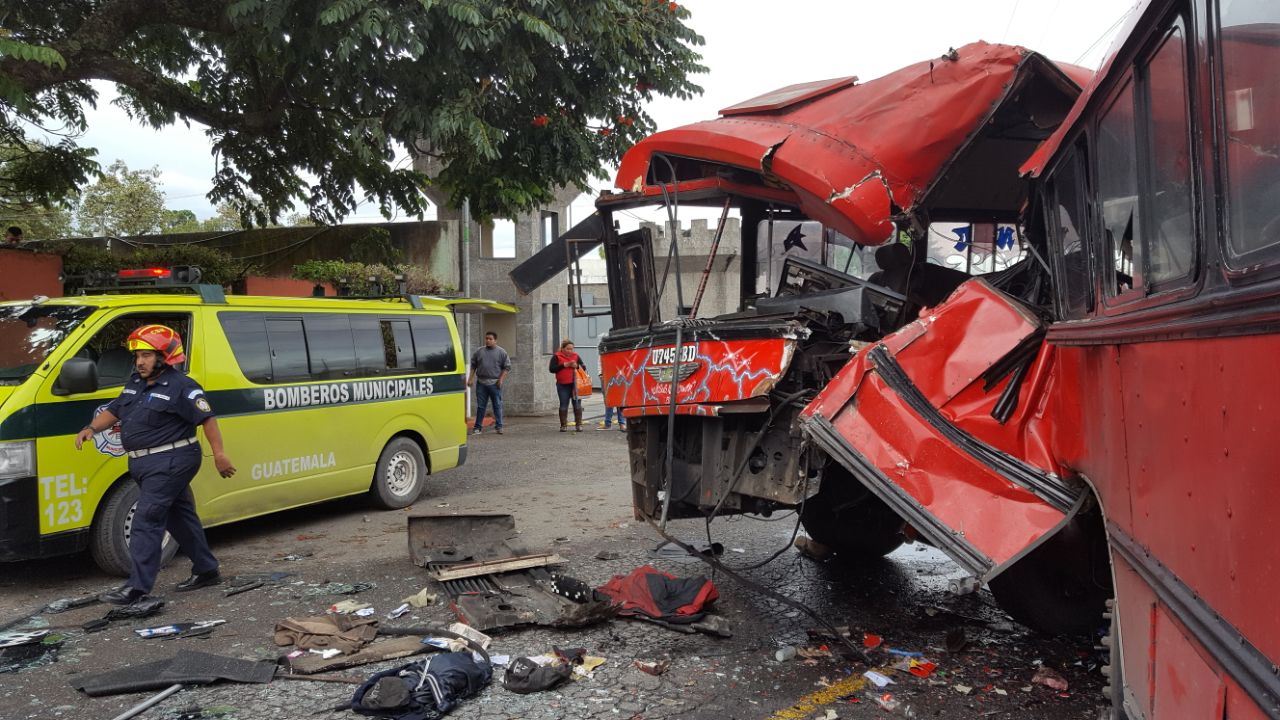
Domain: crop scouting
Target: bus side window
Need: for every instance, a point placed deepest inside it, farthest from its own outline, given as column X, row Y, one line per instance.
column 434, row 344
column 1065, row 220
column 1250, row 58
column 1171, row 230
column 1117, row 161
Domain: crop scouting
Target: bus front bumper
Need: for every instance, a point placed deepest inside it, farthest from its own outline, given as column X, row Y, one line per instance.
column 20, row 537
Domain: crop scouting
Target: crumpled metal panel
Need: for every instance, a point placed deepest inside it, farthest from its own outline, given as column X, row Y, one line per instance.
column 856, row 155
column 889, row 417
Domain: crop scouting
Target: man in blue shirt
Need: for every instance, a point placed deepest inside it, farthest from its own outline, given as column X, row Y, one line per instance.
column 158, row 411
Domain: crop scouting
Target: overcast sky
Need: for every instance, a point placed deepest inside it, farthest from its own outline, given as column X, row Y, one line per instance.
column 752, row 46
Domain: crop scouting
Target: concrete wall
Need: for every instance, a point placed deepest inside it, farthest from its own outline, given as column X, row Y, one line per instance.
column 25, row 274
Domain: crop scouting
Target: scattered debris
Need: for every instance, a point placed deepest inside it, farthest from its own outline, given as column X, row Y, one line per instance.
column 878, row 679
column 402, row 610
column 904, row 653
column 42, row 651
column 490, row 567
column 293, row 557
column 420, row 599
column 921, row 669
column 607, row 555
column 234, row 589
column 1050, row 678
column 962, row 689
column 785, row 654
column 348, row 607
column 65, row 604
column 326, row 654
column 813, row 549
column 525, row 675
column 814, row 653
column 956, row 640
column 186, row 668
column 185, row 628
column 373, row 652
column 21, row 637
column 652, row 667
column 343, row 632
column 135, row 611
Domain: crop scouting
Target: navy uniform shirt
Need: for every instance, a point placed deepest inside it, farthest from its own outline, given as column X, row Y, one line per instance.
column 163, row 412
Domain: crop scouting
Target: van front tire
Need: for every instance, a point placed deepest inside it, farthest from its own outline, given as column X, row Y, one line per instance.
column 400, row 476
column 109, row 536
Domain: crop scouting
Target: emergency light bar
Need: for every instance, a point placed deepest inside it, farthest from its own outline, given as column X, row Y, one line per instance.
column 144, row 274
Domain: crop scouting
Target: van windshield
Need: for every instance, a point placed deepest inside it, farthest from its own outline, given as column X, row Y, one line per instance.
column 28, row 333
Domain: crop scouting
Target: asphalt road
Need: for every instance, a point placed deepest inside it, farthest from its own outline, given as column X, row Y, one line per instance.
column 569, row 493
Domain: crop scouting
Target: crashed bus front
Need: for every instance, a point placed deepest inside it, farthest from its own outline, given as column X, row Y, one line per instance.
column 843, row 189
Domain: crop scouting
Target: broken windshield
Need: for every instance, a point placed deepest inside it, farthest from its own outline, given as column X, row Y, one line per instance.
column 28, row 333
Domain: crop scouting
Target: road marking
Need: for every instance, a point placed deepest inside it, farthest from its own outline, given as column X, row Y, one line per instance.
column 825, row 696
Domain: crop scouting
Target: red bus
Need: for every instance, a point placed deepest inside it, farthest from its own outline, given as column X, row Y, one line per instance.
column 1083, row 424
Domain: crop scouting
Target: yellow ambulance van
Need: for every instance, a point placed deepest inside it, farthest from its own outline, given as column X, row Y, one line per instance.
column 317, row 398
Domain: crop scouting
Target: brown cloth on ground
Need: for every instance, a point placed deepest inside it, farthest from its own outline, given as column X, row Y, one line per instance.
column 342, row 632
column 375, row 652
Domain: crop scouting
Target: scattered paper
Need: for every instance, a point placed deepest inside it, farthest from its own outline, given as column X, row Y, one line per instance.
column 326, row 653
column 347, row 607
column 878, row 679
column 962, row 689
column 422, row 598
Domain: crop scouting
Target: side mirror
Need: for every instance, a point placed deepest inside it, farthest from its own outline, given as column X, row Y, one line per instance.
column 78, row 375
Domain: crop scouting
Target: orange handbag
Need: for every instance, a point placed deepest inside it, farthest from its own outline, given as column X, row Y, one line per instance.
column 583, row 382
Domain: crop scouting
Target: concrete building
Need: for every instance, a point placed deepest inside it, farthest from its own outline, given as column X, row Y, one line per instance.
column 533, row 334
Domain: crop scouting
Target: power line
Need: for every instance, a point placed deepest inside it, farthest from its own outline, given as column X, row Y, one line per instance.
column 1010, row 23
column 1104, row 35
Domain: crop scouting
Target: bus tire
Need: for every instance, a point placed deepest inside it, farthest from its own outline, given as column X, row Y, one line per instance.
column 847, row 518
column 109, row 536
column 400, row 475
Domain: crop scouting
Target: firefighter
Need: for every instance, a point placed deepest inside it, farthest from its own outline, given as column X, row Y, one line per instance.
column 158, row 410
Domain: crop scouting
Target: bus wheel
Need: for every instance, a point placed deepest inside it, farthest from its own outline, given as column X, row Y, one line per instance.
column 847, row 518
column 109, row 537
column 400, row 476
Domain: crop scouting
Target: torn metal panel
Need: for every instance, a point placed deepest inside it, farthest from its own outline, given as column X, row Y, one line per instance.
column 559, row 254
column 501, row 598
column 858, row 156
column 889, row 418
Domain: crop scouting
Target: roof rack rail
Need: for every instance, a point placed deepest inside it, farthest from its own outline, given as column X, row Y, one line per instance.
column 415, row 301
column 211, row 294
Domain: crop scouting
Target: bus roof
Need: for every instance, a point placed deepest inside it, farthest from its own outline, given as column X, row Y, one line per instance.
column 857, row 155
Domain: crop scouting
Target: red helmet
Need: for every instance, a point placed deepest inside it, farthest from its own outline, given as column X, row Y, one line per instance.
column 158, row 338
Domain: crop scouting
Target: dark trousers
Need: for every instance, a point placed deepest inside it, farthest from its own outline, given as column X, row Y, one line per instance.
column 165, row 505
column 486, row 394
column 568, row 392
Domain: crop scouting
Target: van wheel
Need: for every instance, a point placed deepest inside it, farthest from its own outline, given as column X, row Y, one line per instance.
column 400, row 475
column 109, row 537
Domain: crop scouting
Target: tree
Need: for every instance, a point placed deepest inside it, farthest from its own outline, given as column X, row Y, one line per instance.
column 179, row 221
column 122, row 202
column 513, row 98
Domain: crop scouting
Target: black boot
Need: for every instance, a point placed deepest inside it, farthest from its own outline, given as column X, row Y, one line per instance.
column 124, row 595
column 197, row 581
column 577, row 419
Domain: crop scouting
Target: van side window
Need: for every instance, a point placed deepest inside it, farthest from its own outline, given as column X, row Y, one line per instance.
column 247, row 334
column 332, row 348
column 1250, row 98
column 288, row 346
column 1065, row 219
column 371, row 356
column 397, row 344
column 434, row 344
column 107, row 348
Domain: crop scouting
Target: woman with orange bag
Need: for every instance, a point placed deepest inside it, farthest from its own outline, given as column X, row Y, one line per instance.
column 567, row 365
